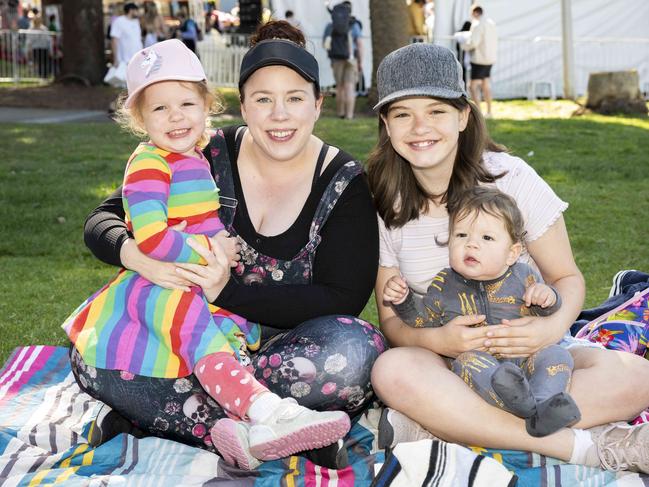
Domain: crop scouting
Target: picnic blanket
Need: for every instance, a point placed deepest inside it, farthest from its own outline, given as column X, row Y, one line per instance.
column 44, row 418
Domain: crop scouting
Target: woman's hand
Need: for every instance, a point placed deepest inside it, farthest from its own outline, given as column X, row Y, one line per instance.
column 460, row 335
column 523, row 336
column 229, row 245
column 213, row 276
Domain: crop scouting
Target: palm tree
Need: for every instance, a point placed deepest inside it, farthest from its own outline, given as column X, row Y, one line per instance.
column 83, row 41
column 389, row 20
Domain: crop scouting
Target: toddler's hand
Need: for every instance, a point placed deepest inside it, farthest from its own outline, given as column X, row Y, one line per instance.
column 230, row 246
column 540, row 295
column 395, row 290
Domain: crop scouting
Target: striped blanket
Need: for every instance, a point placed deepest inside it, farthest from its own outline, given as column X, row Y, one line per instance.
column 44, row 419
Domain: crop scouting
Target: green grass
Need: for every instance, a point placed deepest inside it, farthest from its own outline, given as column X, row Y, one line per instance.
column 51, row 176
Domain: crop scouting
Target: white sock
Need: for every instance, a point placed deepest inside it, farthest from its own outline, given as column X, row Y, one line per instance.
column 584, row 451
column 261, row 407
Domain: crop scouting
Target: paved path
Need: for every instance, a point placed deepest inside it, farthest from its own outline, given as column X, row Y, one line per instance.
column 47, row 115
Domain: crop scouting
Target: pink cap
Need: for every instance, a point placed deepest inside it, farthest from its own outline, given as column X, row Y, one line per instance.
column 168, row 60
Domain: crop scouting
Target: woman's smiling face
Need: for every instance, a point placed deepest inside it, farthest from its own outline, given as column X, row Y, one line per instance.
column 280, row 109
column 425, row 131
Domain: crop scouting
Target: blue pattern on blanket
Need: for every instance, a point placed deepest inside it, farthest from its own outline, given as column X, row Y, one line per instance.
column 44, row 418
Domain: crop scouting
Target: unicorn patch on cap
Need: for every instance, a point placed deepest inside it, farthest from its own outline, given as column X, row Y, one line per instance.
column 152, row 62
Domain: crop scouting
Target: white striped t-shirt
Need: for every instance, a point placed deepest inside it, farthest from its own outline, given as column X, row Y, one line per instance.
column 412, row 248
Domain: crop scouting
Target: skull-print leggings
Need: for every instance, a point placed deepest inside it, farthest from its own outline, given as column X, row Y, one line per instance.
column 323, row 363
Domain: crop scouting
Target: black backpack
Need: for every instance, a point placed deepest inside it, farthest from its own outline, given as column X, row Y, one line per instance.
column 341, row 22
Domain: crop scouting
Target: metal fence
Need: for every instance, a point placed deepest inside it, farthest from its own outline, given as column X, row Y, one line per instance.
column 29, row 55
column 221, row 62
column 526, row 67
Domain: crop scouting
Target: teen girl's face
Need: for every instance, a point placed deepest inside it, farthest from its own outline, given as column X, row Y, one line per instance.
column 425, row 132
column 280, row 110
column 480, row 247
column 173, row 114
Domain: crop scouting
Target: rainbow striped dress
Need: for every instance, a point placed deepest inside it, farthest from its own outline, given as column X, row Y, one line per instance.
column 133, row 325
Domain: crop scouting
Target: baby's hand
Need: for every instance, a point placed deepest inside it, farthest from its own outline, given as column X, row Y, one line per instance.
column 540, row 295
column 230, row 246
column 395, row 290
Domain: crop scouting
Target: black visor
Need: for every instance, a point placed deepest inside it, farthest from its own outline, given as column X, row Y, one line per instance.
column 279, row 52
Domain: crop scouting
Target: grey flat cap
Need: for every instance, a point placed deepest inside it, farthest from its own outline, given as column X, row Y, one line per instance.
column 419, row 69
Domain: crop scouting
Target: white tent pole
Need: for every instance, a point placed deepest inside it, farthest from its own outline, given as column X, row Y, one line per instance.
column 568, row 51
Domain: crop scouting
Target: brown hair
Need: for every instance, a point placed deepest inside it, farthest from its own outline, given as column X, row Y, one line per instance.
column 398, row 196
column 489, row 200
column 130, row 119
column 279, row 29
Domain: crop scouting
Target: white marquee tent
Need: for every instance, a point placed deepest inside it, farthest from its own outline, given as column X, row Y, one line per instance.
column 608, row 35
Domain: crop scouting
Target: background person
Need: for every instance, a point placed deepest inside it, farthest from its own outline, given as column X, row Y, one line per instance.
column 342, row 40
column 126, row 35
column 153, row 25
column 188, row 31
column 289, row 15
column 417, row 20
column 433, row 145
column 483, row 45
column 41, row 47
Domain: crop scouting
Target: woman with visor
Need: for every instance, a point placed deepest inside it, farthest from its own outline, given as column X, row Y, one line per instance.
column 303, row 215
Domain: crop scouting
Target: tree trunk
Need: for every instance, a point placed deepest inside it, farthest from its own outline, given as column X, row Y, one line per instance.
column 83, row 41
column 615, row 92
column 389, row 20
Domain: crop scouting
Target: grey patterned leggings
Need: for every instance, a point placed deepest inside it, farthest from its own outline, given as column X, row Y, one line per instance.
column 323, row 363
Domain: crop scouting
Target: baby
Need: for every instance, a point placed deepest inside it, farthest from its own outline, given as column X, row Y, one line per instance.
column 486, row 233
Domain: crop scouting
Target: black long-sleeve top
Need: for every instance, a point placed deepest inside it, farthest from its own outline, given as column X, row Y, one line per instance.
column 344, row 268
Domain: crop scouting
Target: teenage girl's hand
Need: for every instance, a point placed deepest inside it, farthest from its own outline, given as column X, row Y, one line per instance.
column 160, row 273
column 523, row 336
column 540, row 294
column 395, row 290
column 461, row 335
column 213, row 276
column 230, row 246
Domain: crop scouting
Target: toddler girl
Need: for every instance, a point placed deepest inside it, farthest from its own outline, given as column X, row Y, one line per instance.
column 485, row 240
column 135, row 326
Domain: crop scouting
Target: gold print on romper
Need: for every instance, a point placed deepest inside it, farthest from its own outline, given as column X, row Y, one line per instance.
column 494, row 287
column 529, row 364
column 467, row 304
column 496, row 399
column 438, row 278
column 432, row 316
column 469, row 307
column 555, row 369
column 471, row 363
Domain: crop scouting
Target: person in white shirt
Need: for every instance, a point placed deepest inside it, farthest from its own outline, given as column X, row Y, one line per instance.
column 483, row 45
column 126, row 35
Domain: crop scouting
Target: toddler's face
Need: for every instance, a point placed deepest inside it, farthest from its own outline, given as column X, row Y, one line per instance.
column 480, row 247
column 173, row 114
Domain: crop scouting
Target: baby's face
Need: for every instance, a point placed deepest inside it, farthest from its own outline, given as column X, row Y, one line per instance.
column 480, row 247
